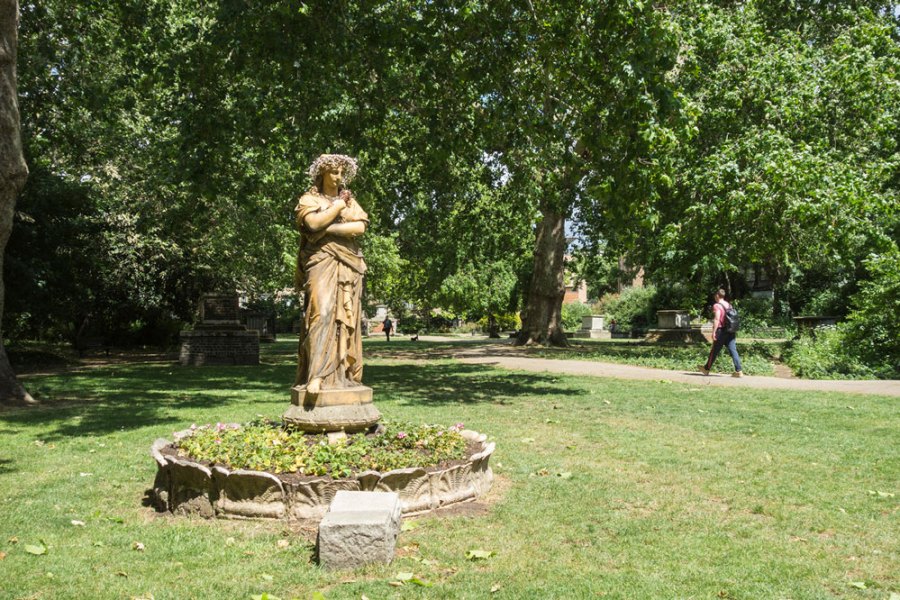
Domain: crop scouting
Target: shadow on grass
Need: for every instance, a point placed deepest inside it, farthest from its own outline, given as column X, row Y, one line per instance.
column 109, row 398
column 121, row 397
column 6, row 466
column 453, row 383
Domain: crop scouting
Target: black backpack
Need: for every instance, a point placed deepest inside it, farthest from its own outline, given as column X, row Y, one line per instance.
column 732, row 322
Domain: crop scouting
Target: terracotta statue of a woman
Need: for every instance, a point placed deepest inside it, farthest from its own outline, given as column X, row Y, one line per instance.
column 328, row 394
column 330, row 269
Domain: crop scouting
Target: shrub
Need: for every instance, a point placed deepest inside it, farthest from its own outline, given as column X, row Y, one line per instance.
column 505, row 322
column 634, row 308
column 825, row 356
column 873, row 326
column 572, row 313
column 756, row 313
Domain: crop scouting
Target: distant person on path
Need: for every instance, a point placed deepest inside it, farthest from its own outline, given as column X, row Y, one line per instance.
column 388, row 327
column 723, row 335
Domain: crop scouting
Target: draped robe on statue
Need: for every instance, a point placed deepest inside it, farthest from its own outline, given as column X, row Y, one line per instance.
column 330, row 271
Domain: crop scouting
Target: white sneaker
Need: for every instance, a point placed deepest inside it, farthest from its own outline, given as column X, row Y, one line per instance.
column 737, row 374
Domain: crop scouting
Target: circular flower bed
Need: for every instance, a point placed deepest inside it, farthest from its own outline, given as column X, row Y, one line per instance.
column 264, row 470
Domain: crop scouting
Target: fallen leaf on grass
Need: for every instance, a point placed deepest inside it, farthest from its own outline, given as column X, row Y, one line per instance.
column 363, row 597
column 527, row 440
column 860, row 585
column 265, row 596
column 318, row 596
column 479, row 554
column 266, row 577
column 283, row 544
column 403, row 577
column 36, row 549
column 77, row 523
column 98, row 544
column 229, row 541
column 541, row 473
column 13, row 540
column 122, row 574
column 881, row 494
column 2, row 555
column 409, row 525
column 137, row 546
column 495, row 588
column 565, row 475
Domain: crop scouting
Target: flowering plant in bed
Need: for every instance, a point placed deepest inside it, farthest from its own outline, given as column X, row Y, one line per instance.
column 265, row 445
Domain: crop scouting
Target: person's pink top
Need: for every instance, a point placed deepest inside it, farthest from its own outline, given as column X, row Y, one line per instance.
column 719, row 309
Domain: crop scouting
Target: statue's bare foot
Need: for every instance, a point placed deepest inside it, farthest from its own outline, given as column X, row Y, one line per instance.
column 313, row 387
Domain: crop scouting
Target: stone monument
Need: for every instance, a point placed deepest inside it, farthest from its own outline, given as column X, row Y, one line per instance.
column 594, row 327
column 674, row 326
column 328, row 394
column 219, row 339
column 264, row 324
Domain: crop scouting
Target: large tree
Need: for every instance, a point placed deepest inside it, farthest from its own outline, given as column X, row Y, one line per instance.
column 579, row 104
column 792, row 164
column 13, row 172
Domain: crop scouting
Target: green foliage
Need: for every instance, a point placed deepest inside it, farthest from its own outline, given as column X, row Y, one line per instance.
column 634, row 308
column 873, row 324
column 267, row 446
column 572, row 313
column 755, row 313
column 790, row 162
column 826, row 355
column 867, row 345
column 504, row 321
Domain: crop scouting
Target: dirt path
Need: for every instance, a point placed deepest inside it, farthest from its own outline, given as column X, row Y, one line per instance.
column 485, row 356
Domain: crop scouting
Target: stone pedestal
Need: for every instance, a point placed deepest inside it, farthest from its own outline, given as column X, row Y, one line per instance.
column 343, row 409
column 594, row 327
column 219, row 347
column 219, row 339
column 673, row 319
column 359, row 528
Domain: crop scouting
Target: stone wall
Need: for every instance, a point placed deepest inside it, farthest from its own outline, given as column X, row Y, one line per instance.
column 209, row 347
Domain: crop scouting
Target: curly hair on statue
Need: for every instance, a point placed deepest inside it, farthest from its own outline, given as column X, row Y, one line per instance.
column 332, row 161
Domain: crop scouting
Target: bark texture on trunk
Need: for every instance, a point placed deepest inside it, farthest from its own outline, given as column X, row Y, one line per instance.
column 542, row 323
column 13, row 173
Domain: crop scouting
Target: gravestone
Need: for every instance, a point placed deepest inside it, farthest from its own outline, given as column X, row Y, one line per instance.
column 219, row 338
column 263, row 324
column 674, row 326
column 594, row 327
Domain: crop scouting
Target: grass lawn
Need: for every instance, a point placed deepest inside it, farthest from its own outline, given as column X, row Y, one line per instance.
column 605, row 488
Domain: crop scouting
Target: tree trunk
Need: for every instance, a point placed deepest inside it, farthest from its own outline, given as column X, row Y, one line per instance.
column 13, row 173
column 493, row 328
column 542, row 323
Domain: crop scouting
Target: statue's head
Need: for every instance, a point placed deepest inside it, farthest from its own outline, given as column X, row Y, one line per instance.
column 333, row 163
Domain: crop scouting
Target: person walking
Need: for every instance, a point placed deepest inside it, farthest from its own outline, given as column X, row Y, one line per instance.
column 723, row 335
column 388, row 327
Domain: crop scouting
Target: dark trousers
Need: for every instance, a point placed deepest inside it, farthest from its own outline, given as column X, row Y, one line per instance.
column 387, row 332
column 723, row 338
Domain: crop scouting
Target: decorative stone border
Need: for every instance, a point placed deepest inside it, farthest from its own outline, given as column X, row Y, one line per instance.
column 185, row 487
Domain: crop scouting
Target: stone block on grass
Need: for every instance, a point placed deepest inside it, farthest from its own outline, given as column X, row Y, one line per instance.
column 359, row 528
